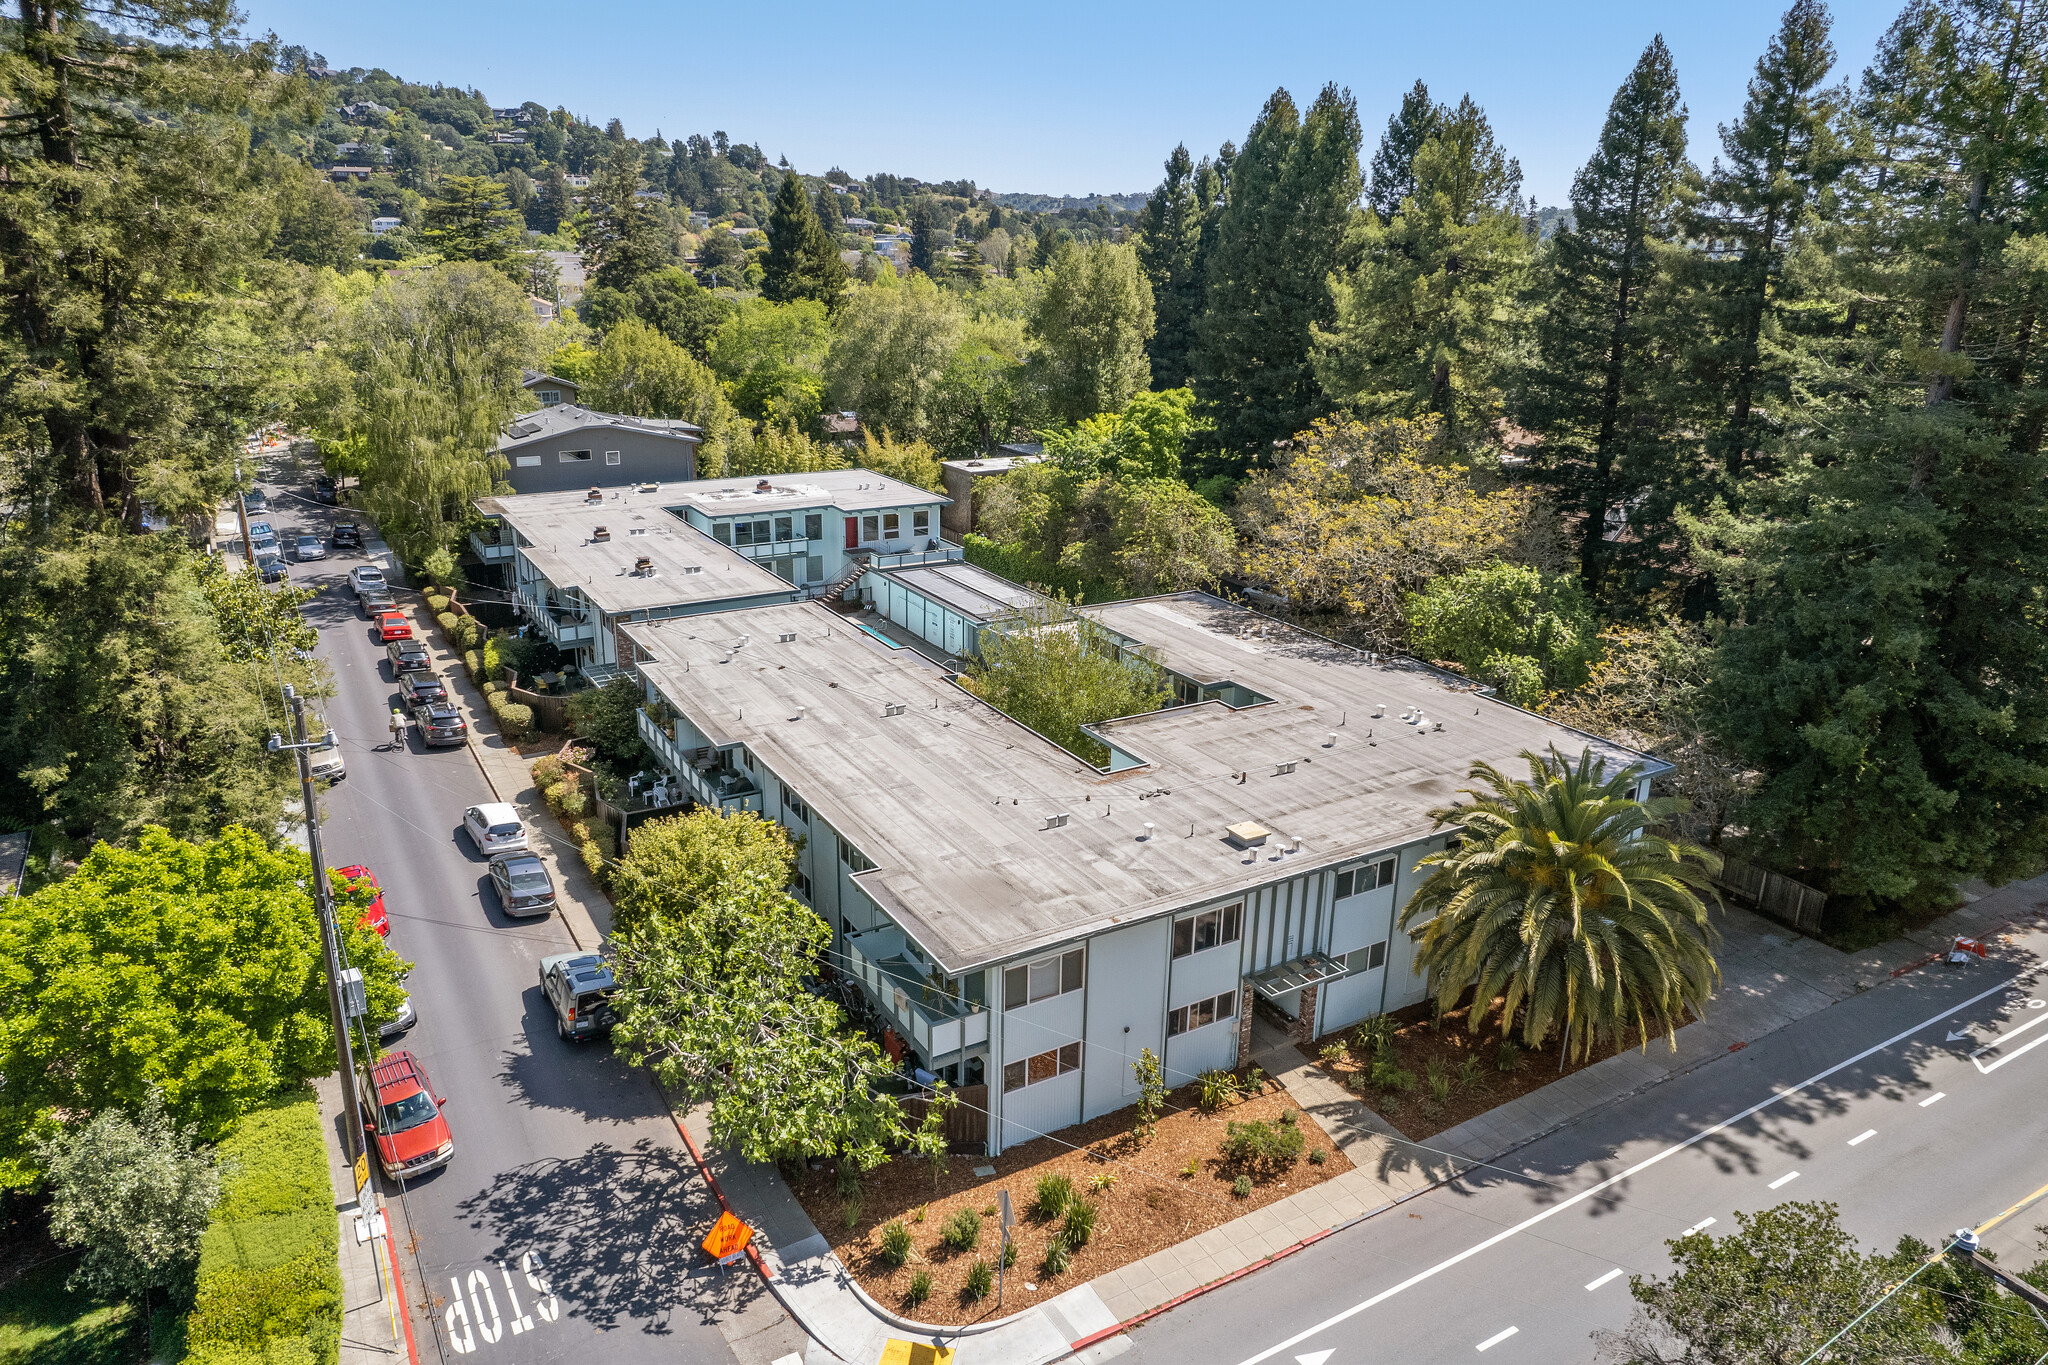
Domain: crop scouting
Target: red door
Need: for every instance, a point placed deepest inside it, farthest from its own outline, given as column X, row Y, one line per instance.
column 852, row 533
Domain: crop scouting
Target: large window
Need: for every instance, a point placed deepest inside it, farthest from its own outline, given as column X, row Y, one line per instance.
column 722, row 533
column 1046, row 1065
column 1210, row 929
column 870, row 528
column 1201, row 1014
column 754, row 532
column 1369, row 958
column 574, row 456
column 921, row 522
column 892, row 526
column 853, row 857
column 794, row 805
column 814, row 526
column 782, row 528
column 1041, row 980
column 1356, row 881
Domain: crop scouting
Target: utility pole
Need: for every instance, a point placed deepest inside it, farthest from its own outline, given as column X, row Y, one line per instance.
column 323, row 902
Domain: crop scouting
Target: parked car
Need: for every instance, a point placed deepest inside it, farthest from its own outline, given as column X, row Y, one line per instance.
column 393, row 625
column 271, row 568
column 261, row 528
column 364, row 577
column 256, row 501
column 324, row 488
column 327, row 761
column 346, row 536
column 376, row 601
column 494, row 827
column 579, row 989
column 262, row 543
column 421, row 689
column 398, row 1023
column 358, row 877
column 524, row 886
column 441, row 723
column 309, row 548
column 402, row 1118
column 408, row 656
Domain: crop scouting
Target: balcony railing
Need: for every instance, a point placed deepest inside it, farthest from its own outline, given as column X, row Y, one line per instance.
column 939, row 1026
column 946, row 553
column 487, row 547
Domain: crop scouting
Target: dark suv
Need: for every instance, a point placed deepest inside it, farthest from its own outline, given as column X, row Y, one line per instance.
column 409, row 656
column 421, row 689
column 347, row 536
column 441, row 723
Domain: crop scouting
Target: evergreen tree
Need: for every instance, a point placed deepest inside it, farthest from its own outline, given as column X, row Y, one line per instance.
column 1745, row 217
column 471, row 220
column 922, row 257
column 1169, row 243
column 1393, row 165
column 826, row 267
column 1049, row 239
column 1888, row 677
column 1278, row 237
column 1424, row 320
column 802, row 262
column 623, row 241
column 551, row 205
column 1090, row 326
column 1597, row 392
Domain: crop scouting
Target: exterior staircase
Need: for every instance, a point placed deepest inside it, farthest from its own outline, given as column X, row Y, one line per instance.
column 835, row 596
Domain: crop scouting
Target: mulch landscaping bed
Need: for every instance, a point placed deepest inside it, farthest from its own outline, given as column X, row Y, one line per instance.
column 1152, row 1204
column 1470, row 1064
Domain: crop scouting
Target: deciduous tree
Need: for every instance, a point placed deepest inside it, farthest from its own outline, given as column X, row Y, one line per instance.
column 1091, row 325
column 1518, row 628
column 1053, row 669
column 894, row 341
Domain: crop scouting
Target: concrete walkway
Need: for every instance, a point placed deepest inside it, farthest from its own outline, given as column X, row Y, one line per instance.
column 370, row 1329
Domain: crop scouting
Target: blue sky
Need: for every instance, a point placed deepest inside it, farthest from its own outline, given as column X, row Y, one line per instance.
column 1055, row 97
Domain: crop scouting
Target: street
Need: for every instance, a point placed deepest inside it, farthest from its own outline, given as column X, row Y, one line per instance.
column 1868, row 1105
column 567, row 1166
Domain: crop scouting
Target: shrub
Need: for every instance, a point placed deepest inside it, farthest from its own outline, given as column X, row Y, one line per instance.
column 1392, row 1078
column 1263, row 1148
column 1241, row 1188
column 896, row 1242
column 473, row 665
column 1440, row 1087
column 594, row 858
column 1509, row 1058
column 1009, row 1254
column 1287, row 1116
column 920, row 1288
column 1219, row 1088
column 574, row 802
column 472, row 631
column 849, row 1212
column 1192, row 1169
column 268, row 1273
column 1079, row 1224
column 1332, row 1053
column 1101, row 1181
column 1053, row 1195
column 515, row 721
column 1470, row 1073
column 1375, row 1034
column 436, row 604
column 980, row 1279
column 553, row 792
column 609, row 717
column 962, row 1231
column 547, row 771
column 1317, row 1156
column 446, row 621
column 1058, row 1256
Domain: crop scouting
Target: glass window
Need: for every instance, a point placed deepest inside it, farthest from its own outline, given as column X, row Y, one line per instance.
column 892, row 526
column 722, row 533
column 574, row 456
column 782, row 528
column 1070, row 1058
column 815, row 573
column 1210, row 929
column 1043, row 1067
column 1013, row 1076
column 1070, row 972
column 611, row 457
column 550, row 396
column 743, row 533
column 1014, row 988
column 761, row 531
column 1386, row 873
column 1366, row 959
column 1346, row 882
column 921, row 522
column 1041, row 980
column 1045, row 979
column 870, row 528
column 814, row 526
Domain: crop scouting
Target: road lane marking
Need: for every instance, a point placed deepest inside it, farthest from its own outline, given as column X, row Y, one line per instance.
column 1785, row 1179
column 1590, row 1191
column 1864, row 1136
column 1610, row 1275
column 1937, row 1095
column 1700, row 1226
column 1497, row 1338
column 2005, row 1038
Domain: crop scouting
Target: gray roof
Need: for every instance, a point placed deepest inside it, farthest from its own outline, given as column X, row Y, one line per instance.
column 564, row 419
column 975, row 593
column 993, row 464
column 950, row 799
column 850, row 490
column 690, row 568
column 529, row 378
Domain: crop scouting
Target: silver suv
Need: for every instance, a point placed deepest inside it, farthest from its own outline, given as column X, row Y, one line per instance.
column 579, row 989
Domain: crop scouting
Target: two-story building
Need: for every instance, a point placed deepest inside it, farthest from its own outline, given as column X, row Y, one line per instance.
column 816, row 528
column 565, row 447
column 1031, row 921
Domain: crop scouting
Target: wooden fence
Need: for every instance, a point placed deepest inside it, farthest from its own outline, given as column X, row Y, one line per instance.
column 966, row 1122
column 1796, row 903
column 550, row 709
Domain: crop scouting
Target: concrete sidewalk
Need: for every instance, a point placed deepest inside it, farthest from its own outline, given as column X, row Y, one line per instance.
column 370, row 1330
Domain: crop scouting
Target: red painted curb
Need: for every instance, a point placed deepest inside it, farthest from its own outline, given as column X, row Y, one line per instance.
column 704, row 1169
column 398, row 1287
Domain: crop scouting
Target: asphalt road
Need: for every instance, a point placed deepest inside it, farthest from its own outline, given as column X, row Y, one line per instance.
column 562, row 1153
column 1869, row 1105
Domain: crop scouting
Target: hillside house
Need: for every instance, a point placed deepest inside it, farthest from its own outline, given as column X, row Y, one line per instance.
column 569, row 447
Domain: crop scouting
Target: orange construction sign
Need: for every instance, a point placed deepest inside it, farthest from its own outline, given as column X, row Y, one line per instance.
column 727, row 1239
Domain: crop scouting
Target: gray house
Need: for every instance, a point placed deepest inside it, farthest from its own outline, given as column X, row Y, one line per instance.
column 549, row 390
column 567, row 447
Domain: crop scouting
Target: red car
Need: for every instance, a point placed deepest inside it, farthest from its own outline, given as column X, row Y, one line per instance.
column 359, row 877
column 392, row 625
column 403, row 1122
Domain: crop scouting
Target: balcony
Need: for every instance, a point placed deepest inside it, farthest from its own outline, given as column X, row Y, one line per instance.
column 944, row 552
column 487, row 546
column 938, row 1025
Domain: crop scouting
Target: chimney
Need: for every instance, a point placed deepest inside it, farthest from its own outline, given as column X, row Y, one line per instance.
column 644, row 566
column 594, row 495
column 600, row 533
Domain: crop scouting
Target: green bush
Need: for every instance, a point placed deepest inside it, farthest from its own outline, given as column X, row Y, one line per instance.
column 593, row 858
column 515, row 721
column 1317, row 1156
column 1053, row 1195
column 554, row 791
column 1009, row 1254
column 436, row 603
column 609, row 717
column 920, row 1288
column 1262, row 1148
column 981, row 1278
column 1241, row 1188
column 1058, row 1256
column 470, row 631
column 475, row 666
column 1079, row 1224
column 1392, row 1078
column 1509, row 1057
column 574, row 802
column 547, row 770
column 269, row 1283
column 1219, row 1088
column 446, row 621
column 962, row 1231
column 896, row 1242
column 1521, row 629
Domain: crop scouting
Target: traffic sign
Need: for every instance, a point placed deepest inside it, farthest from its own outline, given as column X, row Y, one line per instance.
column 895, row 1352
column 727, row 1239
column 362, row 1173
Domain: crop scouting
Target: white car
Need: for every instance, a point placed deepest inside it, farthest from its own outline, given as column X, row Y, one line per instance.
column 495, row 828
column 326, row 762
column 364, row 577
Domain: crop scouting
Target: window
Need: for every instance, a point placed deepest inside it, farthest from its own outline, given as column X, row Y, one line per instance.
column 815, row 571
column 853, row 857
column 814, row 526
column 921, row 522
column 782, row 525
column 611, row 457
column 575, row 456
column 1201, row 1014
column 892, row 526
column 1356, row 881
column 527, row 461
column 1043, row 1067
column 747, row 758
column 1209, row 929
column 870, row 528
column 1366, row 959
column 549, row 397
column 802, row 886
column 794, row 804
column 1041, row 980
column 722, row 533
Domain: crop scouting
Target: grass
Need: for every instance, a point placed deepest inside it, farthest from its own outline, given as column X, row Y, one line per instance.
column 43, row 1323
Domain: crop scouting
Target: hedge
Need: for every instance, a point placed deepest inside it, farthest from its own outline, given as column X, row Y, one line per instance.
column 514, row 718
column 446, row 621
column 269, row 1281
column 474, row 665
column 468, row 634
column 436, row 604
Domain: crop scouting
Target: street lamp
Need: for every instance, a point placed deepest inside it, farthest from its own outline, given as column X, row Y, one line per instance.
column 323, row 902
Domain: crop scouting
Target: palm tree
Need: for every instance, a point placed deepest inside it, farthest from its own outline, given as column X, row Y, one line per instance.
column 1563, row 899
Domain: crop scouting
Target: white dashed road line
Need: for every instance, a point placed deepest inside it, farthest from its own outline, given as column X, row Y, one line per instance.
column 1700, row 1226
column 1864, row 1136
column 1937, row 1095
column 1497, row 1338
column 1610, row 1275
column 1785, row 1179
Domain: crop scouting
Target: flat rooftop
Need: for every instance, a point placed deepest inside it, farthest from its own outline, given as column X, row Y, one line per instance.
column 993, row 464
column 975, row 593
column 955, row 803
column 690, row 568
column 851, row 490
column 564, row 419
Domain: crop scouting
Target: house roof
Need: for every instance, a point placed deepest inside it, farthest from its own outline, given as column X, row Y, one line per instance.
column 951, row 800
column 850, row 490
column 975, row 593
column 531, row 378
column 689, row 567
column 995, row 464
column 565, row 419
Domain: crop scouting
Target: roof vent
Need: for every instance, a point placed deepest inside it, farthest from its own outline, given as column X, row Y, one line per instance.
column 650, row 488
column 1248, row 834
column 644, row 566
column 1058, row 821
column 693, row 568
column 1282, row 768
column 594, row 495
column 892, row 708
column 787, row 637
column 763, row 486
column 600, row 533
